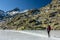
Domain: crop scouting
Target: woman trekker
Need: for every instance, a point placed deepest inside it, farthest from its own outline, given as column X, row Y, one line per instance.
column 48, row 30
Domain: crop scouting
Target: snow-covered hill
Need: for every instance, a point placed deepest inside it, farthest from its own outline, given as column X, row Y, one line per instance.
column 28, row 35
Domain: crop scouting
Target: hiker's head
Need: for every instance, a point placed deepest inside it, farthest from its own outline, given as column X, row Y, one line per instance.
column 48, row 25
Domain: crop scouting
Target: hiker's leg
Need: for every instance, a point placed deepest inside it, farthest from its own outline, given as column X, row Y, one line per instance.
column 48, row 33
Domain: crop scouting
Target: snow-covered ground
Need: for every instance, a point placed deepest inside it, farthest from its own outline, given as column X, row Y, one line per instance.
column 29, row 35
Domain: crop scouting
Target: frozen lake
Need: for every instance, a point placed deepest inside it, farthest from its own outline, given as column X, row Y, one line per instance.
column 28, row 35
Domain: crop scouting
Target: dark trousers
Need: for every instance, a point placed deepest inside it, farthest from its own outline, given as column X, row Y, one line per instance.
column 48, row 33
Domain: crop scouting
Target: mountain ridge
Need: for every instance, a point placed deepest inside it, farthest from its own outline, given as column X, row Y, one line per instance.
column 36, row 19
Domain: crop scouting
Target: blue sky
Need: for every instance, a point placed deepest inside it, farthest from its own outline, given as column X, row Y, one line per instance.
column 22, row 4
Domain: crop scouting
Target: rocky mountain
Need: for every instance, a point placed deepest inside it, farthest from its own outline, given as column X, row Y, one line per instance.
column 51, row 12
column 2, row 14
column 36, row 19
column 13, row 11
column 26, row 18
column 8, row 14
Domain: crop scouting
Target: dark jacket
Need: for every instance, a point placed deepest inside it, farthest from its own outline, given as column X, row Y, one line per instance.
column 48, row 28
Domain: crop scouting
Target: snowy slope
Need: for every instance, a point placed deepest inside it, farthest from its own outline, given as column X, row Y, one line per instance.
column 25, row 35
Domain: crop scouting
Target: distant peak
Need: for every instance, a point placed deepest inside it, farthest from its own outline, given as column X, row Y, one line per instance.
column 16, row 9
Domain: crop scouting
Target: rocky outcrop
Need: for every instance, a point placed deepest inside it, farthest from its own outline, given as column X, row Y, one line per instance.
column 37, row 19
